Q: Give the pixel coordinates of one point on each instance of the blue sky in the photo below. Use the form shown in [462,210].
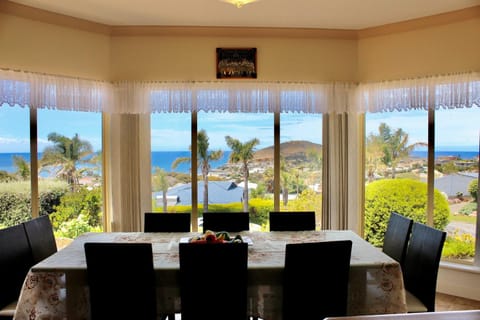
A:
[457,129]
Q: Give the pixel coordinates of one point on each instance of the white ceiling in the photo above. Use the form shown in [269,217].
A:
[330,14]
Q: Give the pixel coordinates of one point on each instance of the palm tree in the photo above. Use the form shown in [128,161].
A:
[66,154]
[242,152]
[203,157]
[395,146]
[160,182]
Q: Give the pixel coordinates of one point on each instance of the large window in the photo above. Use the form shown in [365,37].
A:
[235,150]
[456,176]
[396,167]
[301,162]
[67,150]
[171,162]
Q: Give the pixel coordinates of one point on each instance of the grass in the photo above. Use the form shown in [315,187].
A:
[24,186]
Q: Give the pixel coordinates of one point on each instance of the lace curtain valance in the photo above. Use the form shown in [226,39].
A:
[452,91]
[143,97]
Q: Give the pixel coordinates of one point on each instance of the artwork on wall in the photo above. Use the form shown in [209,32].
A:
[235,63]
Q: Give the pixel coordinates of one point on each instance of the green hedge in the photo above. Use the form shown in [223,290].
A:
[405,196]
[15,201]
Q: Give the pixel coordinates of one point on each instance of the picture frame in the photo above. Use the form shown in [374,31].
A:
[236,63]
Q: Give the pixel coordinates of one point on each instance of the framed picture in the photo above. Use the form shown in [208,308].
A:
[234,63]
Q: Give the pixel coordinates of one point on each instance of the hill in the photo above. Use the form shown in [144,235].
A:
[290,150]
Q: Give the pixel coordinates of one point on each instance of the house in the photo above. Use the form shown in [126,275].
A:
[219,192]
[455,184]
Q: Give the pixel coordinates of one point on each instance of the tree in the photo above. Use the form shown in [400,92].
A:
[242,152]
[394,145]
[66,154]
[160,182]
[23,167]
[204,157]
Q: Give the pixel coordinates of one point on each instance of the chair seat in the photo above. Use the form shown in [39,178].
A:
[414,305]
[9,309]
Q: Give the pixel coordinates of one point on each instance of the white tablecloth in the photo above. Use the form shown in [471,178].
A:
[56,286]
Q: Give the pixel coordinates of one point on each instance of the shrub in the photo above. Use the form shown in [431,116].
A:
[468,209]
[459,246]
[15,200]
[473,189]
[405,196]
[81,202]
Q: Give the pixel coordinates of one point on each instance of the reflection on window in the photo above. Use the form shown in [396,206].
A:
[301,162]
[171,162]
[15,190]
[456,177]
[70,170]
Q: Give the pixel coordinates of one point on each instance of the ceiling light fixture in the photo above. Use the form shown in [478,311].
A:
[239,3]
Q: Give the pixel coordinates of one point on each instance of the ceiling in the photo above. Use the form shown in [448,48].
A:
[328,14]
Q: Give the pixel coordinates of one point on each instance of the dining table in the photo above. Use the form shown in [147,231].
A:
[56,288]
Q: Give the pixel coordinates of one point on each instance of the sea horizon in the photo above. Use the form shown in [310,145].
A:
[164,159]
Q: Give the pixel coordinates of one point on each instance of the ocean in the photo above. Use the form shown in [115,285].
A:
[164,159]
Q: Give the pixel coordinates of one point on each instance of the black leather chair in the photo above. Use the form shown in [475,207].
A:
[421,267]
[15,262]
[397,236]
[121,280]
[213,281]
[316,277]
[166,222]
[292,220]
[40,237]
[226,221]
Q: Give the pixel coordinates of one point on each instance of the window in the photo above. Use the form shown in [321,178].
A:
[456,174]
[171,162]
[15,188]
[70,170]
[301,162]
[456,168]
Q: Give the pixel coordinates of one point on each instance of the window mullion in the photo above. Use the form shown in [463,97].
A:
[34,163]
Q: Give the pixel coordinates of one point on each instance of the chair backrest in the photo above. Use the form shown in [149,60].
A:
[316,277]
[40,237]
[292,221]
[213,281]
[121,280]
[166,222]
[422,261]
[226,221]
[396,237]
[15,262]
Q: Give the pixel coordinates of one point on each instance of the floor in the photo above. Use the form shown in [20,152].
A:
[444,302]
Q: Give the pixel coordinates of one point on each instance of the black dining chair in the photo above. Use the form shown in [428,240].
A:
[396,237]
[213,281]
[40,237]
[166,222]
[15,262]
[315,279]
[421,267]
[226,221]
[291,220]
[121,280]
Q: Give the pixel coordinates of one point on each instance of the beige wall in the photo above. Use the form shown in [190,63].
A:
[41,47]
[193,58]
[428,51]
